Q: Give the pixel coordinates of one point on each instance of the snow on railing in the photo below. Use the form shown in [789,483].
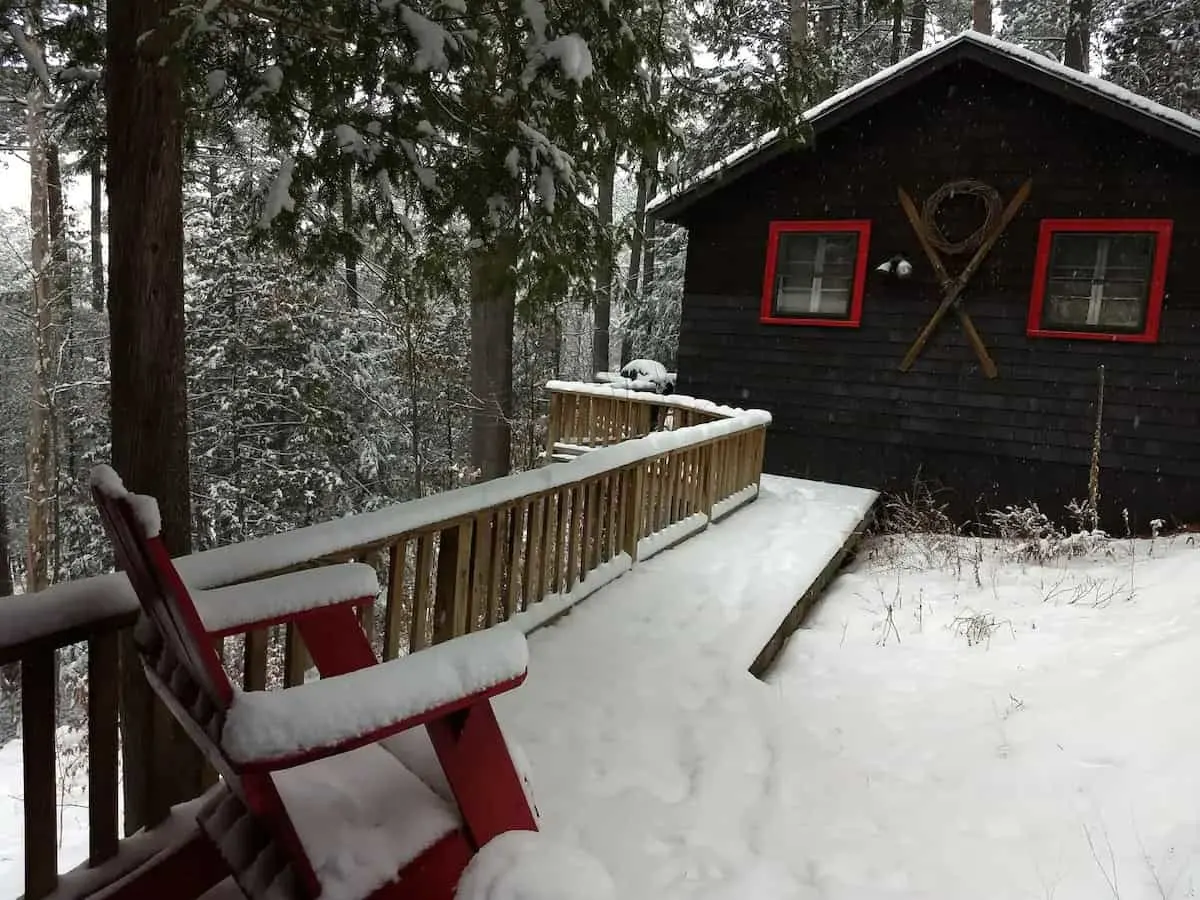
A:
[584,416]
[450,564]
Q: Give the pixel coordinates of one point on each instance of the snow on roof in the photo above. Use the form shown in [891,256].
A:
[1013,52]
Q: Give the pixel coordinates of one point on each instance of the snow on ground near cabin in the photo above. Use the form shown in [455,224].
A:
[916,767]
[941,768]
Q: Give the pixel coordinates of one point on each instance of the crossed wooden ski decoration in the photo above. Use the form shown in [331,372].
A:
[952,287]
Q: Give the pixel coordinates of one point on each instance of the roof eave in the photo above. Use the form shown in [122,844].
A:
[824,118]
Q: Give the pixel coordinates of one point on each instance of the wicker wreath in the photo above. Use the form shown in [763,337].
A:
[969,186]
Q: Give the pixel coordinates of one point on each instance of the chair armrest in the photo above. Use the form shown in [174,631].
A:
[240,607]
[272,730]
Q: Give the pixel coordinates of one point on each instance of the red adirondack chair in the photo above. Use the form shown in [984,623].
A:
[332,788]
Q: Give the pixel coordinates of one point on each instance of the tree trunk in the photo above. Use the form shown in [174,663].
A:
[1076,53]
[351,258]
[897,29]
[59,246]
[493,313]
[6,579]
[797,37]
[981,16]
[602,308]
[63,305]
[97,235]
[146,324]
[39,462]
[650,231]
[916,28]
[643,228]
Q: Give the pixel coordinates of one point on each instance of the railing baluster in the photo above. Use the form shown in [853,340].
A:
[103,685]
[254,661]
[366,612]
[674,474]
[546,553]
[612,541]
[591,527]
[533,553]
[554,541]
[419,629]
[38,683]
[393,614]
[517,535]
[295,656]
[481,576]
[499,562]
[462,577]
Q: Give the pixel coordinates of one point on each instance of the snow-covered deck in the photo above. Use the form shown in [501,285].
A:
[649,739]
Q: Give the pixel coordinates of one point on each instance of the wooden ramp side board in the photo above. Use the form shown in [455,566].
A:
[799,613]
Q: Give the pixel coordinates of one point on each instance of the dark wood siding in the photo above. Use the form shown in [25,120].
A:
[844,411]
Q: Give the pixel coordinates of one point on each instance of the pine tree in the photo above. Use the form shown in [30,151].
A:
[1153,48]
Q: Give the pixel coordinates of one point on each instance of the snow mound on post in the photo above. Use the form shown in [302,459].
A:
[527,865]
[145,509]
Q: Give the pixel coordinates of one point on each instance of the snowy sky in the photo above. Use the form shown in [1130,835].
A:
[14,186]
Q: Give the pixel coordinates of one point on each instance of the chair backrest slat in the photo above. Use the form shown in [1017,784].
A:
[164,597]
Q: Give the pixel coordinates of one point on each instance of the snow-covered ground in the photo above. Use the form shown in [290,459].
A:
[950,723]
[1031,733]
[1056,757]
[72,813]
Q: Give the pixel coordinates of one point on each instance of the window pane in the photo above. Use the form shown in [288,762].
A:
[1098,281]
[814,274]
[835,302]
[1122,315]
[1073,256]
[1065,311]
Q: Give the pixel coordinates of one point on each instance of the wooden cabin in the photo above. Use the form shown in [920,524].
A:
[808,284]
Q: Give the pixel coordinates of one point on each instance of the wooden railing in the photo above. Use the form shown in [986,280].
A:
[519,548]
[586,416]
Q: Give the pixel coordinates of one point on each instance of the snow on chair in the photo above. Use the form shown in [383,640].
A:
[331,787]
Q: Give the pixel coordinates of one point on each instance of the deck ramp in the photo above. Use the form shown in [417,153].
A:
[623,692]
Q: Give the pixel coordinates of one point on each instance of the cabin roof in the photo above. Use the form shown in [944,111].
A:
[1096,94]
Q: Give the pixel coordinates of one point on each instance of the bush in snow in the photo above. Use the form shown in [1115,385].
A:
[1030,536]
[918,530]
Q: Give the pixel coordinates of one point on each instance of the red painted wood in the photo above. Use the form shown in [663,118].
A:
[335,640]
[254,625]
[466,736]
[1161,228]
[433,875]
[181,873]
[162,594]
[274,764]
[481,773]
[780,227]
[264,802]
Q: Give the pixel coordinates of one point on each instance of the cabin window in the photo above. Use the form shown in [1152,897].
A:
[815,273]
[1100,279]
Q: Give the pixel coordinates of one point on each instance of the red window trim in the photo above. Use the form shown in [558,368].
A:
[862,227]
[1161,228]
